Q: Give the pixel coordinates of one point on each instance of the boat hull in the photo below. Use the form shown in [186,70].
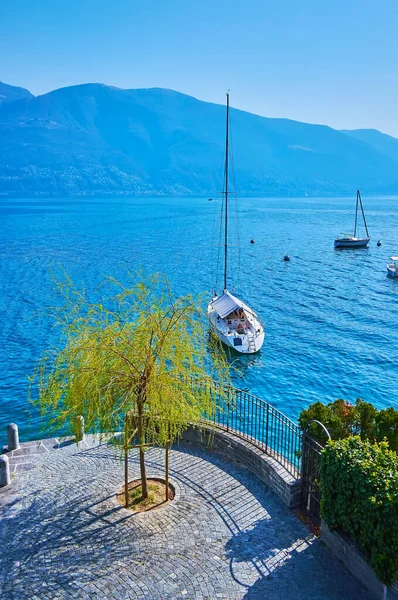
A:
[353,243]
[247,343]
[392,272]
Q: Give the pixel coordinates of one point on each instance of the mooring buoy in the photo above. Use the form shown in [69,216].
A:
[379,243]
[286,258]
[252,241]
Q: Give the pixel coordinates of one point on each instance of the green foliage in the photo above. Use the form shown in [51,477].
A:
[365,414]
[344,419]
[337,417]
[387,427]
[135,355]
[359,486]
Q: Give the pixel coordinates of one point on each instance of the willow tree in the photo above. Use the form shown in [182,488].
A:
[141,361]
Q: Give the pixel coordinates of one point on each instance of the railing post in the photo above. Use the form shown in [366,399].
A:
[5,477]
[266,430]
[303,467]
[79,428]
[12,437]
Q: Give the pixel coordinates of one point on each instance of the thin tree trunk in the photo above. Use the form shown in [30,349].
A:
[141,440]
[144,483]
[167,471]
[126,477]
[126,465]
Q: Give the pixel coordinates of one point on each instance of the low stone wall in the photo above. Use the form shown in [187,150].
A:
[274,475]
[356,564]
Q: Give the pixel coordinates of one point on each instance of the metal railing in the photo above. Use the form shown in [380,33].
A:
[258,422]
[310,501]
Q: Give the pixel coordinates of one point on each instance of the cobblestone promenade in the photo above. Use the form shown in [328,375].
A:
[224,536]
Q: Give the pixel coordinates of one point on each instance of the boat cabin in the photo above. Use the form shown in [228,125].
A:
[231,312]
[236,320]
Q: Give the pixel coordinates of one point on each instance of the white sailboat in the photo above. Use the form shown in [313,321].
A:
[233,321]
[352,241]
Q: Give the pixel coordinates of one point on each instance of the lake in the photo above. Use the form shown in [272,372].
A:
[330,315]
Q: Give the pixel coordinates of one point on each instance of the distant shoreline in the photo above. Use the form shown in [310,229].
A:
[204,196]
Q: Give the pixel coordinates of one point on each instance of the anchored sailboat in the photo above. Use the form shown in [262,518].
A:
[351,241]
[231,319]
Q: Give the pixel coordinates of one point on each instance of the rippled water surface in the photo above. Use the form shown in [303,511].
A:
[331,316]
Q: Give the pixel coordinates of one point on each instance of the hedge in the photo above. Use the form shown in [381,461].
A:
[359,486]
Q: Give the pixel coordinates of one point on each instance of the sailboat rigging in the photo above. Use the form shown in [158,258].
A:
[230,318]
[352,241]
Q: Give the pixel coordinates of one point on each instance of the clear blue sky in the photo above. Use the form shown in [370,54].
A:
[320,61]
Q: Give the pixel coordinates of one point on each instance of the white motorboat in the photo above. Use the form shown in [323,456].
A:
[392,267]
[233,321]
[352,241]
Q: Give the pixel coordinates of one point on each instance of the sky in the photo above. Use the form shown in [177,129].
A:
[320,61]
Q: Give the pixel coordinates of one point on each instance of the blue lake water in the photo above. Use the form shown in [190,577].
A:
[331,316]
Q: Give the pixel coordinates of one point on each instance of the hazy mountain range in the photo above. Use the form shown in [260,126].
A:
[96,139]
[10,93]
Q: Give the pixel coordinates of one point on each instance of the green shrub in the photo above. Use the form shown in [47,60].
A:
[343,419]
[359,487]
[365,420]
[326,414]
[387,427]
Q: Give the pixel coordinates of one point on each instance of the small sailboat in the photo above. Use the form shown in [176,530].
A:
[352,241]
[392,267]
[233,321]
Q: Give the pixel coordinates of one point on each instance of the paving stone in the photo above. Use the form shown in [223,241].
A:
[224,536]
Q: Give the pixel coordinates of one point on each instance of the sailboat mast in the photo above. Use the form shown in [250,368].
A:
[356,215]
[226,195]
[363,214]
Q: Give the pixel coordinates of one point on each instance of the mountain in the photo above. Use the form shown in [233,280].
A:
[96,139]
[10,93]
[381,142]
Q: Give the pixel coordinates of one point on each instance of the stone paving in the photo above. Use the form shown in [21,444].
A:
[63,536]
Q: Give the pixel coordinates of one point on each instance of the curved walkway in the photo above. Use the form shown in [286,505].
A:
[225,536]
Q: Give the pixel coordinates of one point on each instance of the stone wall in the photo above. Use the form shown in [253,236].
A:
[274,475]
[356,564]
